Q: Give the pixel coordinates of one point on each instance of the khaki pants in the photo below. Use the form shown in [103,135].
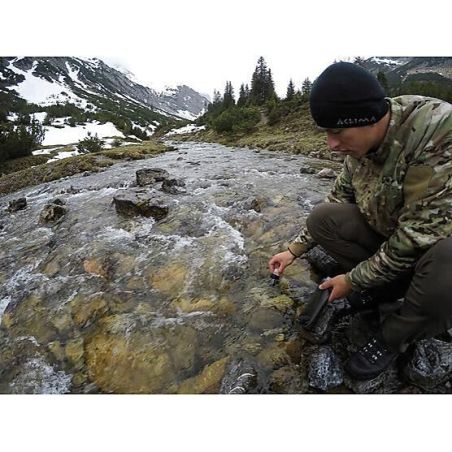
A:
[427,307]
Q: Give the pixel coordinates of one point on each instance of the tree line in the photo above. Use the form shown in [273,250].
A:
[255,99]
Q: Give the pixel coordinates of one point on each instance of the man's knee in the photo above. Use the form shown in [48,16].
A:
[317,217]
[329,217]
[438,259]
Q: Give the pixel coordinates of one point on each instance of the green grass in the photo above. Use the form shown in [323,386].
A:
[93,162]
[295,133]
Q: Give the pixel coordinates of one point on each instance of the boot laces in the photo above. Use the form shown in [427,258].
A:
[374,350]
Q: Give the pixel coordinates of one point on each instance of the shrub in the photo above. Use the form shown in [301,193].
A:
[90,144]
[19,140]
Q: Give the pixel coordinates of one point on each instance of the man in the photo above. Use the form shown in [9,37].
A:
[387,220]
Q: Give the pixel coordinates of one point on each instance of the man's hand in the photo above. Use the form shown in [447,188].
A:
[341,287]
[280,261]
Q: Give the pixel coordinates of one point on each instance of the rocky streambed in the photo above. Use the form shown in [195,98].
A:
[141,281]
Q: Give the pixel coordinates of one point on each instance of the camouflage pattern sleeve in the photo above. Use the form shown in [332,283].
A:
[342,192]
[425,218]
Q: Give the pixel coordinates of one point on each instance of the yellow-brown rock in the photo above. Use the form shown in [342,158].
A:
[221,306]
[207,382]
[169,280]
[125,357]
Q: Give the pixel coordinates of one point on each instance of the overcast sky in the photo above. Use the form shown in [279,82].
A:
[205,43]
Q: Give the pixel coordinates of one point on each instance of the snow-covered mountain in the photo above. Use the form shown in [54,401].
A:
[91,84]
[405,69]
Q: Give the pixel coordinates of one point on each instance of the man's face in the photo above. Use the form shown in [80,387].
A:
[353,141]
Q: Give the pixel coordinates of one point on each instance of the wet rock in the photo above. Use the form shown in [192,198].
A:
[322,262]
[240,378]
[207,382]
[265,319]
[325,370]
[221,306]
[274,356]
[169,280]
[100,267]
[17,204]
[287,380]
[126,354]
[149,176]
[256,204]
[130,204]
[305,169]
[53,211]
[87,310]
[326,173]
[173,186]
[431,364]
[282,303]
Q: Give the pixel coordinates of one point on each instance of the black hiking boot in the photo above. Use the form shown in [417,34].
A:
[371,359]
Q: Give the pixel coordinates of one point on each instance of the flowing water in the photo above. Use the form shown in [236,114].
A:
[102,303]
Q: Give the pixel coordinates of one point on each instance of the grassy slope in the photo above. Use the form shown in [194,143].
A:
[94,162]
[294,133]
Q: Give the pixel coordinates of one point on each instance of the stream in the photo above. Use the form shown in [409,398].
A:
[101,303]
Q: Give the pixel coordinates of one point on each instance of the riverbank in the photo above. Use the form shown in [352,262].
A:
[295,133]
[89,163]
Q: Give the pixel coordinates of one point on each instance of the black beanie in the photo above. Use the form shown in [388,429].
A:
[347,95]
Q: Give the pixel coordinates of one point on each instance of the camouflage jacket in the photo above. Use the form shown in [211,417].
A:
[404,189]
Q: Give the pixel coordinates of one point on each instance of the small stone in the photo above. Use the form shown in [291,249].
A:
[326,173]
[17,204]
[307,170]
[52,212]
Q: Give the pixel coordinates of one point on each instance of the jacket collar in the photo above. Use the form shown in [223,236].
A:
[380,154]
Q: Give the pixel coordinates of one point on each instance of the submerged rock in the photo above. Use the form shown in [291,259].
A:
[149,176]
[240,378]
[207,382]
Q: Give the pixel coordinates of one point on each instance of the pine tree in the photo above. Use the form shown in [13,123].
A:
[290,90]
[228,98]
[383,81]
[241,102]
[262,86]
[306,87]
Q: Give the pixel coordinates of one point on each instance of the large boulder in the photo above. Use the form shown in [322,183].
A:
[130,203]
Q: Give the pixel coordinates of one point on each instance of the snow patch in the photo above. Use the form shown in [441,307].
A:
[189,128]
[70,135]
[42,92]
[186,114]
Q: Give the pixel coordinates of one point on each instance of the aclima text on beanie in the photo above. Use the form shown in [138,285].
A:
[347,95]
